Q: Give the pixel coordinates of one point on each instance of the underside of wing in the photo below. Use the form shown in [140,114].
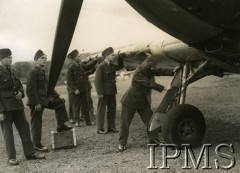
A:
[189,20]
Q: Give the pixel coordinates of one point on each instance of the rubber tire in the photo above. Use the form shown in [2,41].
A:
[176,118]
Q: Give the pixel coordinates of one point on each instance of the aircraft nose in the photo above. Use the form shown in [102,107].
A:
[155,121]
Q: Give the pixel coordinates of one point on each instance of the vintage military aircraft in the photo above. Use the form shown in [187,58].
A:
[207,43]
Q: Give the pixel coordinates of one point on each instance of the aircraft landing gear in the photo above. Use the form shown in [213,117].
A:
[180,123]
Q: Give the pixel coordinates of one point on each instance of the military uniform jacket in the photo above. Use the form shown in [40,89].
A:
[77,78]
[88,73]
[10,85]
[143,81]
[36,90]
[105,77]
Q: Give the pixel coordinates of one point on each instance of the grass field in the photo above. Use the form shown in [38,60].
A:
[217,98]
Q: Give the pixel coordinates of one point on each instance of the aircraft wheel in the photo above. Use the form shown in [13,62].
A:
[184,124]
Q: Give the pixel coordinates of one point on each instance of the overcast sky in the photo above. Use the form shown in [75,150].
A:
[29,25]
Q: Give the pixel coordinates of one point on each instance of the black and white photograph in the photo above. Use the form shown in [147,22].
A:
[115,86]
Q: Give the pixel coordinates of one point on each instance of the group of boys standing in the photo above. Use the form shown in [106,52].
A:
[79,86]
[136,99]
[105,82]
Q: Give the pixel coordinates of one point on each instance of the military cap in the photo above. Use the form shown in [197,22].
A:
[38,55]
[140,56]
[5,53]
[73,54]
[107,51]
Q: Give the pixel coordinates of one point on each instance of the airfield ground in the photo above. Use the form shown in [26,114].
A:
[217,98]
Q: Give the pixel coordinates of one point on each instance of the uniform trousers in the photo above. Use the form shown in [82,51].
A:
[36,119]
[78,101]
[90,104]
[126,119]
[109,102]
[19,119]
[70,108]
[90,101]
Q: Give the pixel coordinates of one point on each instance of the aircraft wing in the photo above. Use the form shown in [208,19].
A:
[206,29]
[190,21]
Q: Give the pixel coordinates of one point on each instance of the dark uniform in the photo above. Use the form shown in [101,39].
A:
[12,111]
[138,99]
[36,90]
[70,107]
[77,80]
[89,86]
[105,83]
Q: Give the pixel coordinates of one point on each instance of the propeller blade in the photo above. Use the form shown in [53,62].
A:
[67,21]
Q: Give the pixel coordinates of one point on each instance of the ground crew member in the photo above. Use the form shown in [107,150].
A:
[36,89]
[105,83]
[138,99]
[12,110]
[77,84]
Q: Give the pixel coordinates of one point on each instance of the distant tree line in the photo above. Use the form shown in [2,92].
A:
[23,68]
